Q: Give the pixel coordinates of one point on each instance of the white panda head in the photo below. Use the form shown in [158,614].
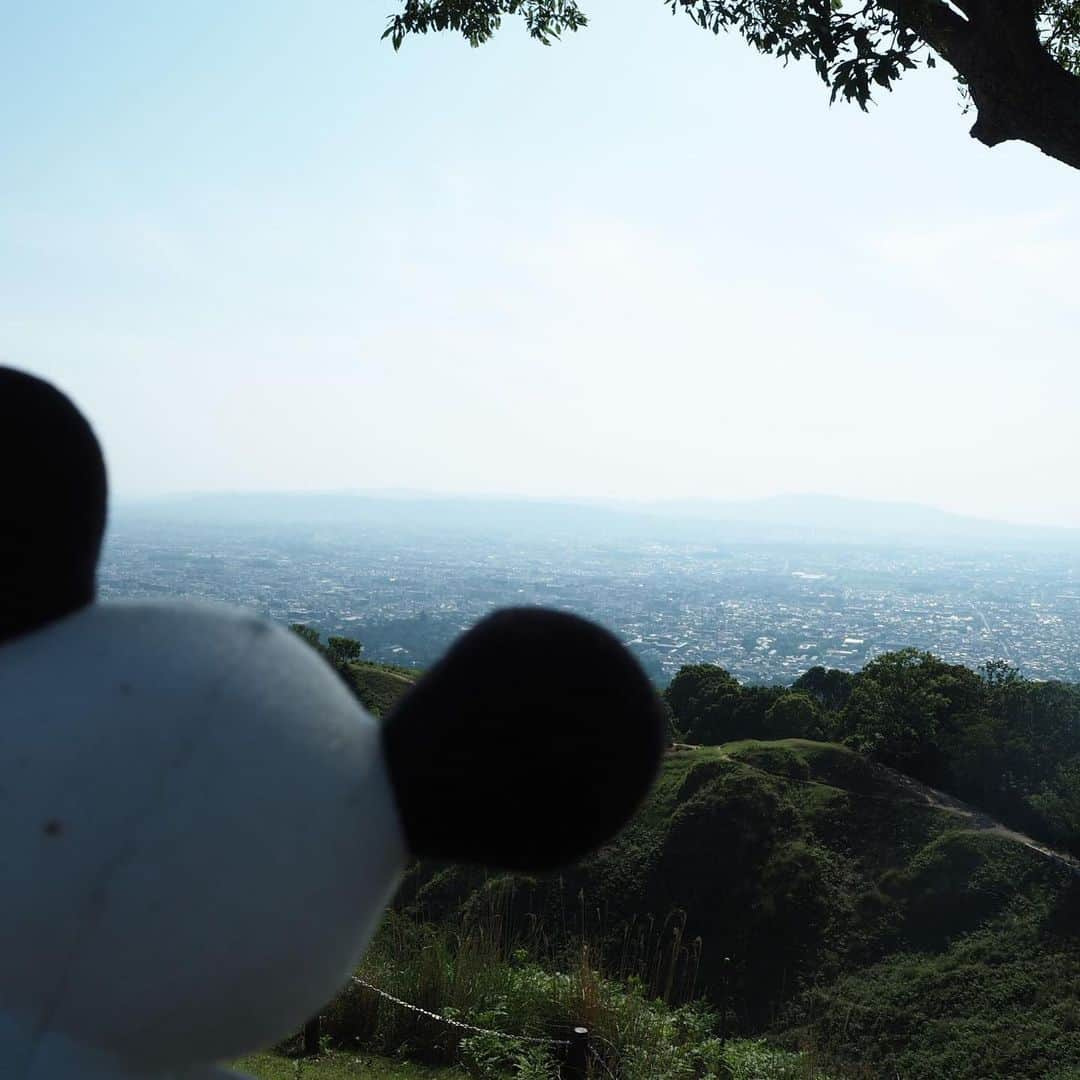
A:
[202,826]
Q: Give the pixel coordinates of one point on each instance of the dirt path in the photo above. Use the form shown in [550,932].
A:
[977,819]
[919,793]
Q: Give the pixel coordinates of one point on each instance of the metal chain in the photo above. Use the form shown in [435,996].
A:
[599,1060]
[459,1024]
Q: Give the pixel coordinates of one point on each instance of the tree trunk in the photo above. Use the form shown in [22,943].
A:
[1019,90]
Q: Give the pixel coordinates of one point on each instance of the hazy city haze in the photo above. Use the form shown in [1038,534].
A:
[263,252]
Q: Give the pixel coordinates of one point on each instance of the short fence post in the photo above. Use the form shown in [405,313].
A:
[312,1032]
[577,1055]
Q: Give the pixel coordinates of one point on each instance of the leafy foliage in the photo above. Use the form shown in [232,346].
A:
[1058,803]
[795,714]
[1002,1001]
[695,687]
[1017,60]
[342,650]
[1059,29]
[830,687]
[852,50]
[477,20]
[853,47]
[901,706]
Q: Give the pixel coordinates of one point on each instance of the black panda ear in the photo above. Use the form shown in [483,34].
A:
[52,507]
[529,744]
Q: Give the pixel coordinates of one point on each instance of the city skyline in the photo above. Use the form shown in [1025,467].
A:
[765,610]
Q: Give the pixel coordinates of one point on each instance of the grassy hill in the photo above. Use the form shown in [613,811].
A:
[378,686]
[811,895]
[834,911]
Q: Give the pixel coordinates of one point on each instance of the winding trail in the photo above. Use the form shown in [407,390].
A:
[920,794]
[978,820]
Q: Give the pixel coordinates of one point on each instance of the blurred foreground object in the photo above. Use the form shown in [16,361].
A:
[201,824]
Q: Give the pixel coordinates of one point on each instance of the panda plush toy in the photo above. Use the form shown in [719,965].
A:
[200,826]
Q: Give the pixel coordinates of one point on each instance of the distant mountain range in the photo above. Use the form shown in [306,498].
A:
[779,519]
[864,518]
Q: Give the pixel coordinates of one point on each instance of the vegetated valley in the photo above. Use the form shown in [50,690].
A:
[794,899]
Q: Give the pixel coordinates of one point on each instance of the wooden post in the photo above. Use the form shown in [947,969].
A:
[577,1055]
[312,1031]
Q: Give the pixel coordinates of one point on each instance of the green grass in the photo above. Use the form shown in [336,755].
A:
[471,970]
[1002,1001]
[378,686]
[815,762]
[338,1065]
[793,759]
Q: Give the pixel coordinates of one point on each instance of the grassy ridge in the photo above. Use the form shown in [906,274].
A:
[378,686]
[835,911]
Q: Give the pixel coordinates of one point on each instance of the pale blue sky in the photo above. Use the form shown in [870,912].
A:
[263,251]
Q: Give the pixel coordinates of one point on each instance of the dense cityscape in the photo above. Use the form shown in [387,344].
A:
[765,611]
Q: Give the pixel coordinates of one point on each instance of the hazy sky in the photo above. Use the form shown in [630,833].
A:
[263,251]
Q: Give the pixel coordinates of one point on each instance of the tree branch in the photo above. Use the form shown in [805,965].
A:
[938,25]
[1020,82]
[1019,90]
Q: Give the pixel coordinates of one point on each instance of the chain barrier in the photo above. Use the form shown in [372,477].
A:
[598,1057]
[459,1024]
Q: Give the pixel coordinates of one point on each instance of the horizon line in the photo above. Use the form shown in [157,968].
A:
[614,501]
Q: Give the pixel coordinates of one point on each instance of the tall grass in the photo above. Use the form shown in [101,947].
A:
[638,1006]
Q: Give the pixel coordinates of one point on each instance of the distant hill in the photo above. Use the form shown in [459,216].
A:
[781,519]
[837,517]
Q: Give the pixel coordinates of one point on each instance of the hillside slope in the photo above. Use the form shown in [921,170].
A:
[838,904]
[835,905]
[378,686]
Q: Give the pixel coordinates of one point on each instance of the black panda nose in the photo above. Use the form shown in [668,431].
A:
[52,505]
[529,744]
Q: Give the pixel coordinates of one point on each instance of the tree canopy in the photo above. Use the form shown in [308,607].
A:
[1018,60]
